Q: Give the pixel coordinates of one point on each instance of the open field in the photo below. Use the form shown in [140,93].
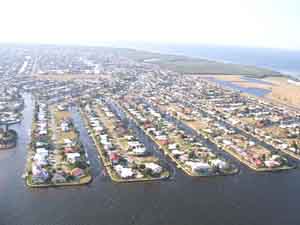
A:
[278,87]
[58,116]
[284,92]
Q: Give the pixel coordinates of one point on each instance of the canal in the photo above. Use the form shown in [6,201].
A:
[143,138]
[243,199]
[259,92]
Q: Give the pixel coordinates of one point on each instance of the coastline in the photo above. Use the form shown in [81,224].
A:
[80,180]
[108,165]
[237,156]
[168,153]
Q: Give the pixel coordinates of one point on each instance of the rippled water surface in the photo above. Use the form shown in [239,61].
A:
[244,199]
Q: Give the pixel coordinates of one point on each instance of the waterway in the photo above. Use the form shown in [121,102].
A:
[259,92]
[256,81]
[243,199]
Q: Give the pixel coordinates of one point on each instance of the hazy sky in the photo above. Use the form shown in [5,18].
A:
[266,23]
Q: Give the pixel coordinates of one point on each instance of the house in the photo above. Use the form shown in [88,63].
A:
[77,172]
[164,142]
[155,168]
[69,150]
[133,144]
[199,167]
[108,146]
[39,175]
[124,172]
[103,137]
[172,146]
[42,132]
[65,126]
[58,178]
[73,157]
[41,156]
[61,108]
[114,157]
[227,142]
[271,163]
[68,142]
[177,152]
[98,129]
[129,137]
[39,144]
[147,125]
[218,163]
[139,151]
[42,151]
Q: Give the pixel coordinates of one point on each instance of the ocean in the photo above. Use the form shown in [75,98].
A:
[284,61]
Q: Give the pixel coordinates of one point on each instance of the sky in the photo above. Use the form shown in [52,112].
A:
[257,23]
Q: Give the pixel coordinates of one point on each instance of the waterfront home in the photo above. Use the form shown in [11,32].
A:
[77,172]
[199,167]
[39,174]
[218,163]
[124,172]
[58,178]
[155,168]
[271,163]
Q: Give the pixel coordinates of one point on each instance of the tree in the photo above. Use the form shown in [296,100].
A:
[294,145]
[81,164]
[142,166]
[148,172]
[192,154]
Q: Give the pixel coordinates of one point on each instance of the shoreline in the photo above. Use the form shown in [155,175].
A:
[275,89]
[168,154]
[232,153]
[88,181]
[81,180]
[271,101]
[236,156]
[108,165]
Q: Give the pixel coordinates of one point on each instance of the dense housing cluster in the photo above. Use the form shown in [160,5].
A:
[56,155]
[144,119]
[124,155]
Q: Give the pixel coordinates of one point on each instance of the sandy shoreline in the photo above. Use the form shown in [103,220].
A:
[281,91]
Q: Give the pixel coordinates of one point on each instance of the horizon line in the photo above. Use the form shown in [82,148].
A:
[118,44]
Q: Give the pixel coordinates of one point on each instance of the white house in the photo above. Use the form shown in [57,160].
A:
[156,169]
[72,157]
